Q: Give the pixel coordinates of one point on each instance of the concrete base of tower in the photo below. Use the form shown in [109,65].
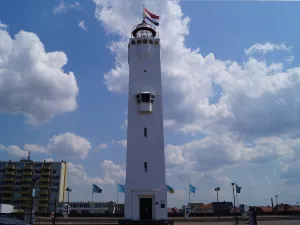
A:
[146,222]
[146,205]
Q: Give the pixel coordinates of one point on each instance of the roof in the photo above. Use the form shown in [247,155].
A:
[266,208]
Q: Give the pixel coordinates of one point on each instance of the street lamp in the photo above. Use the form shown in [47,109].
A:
[235,218]
[68,190]
[276,196]
[217,189]
[55,203]
[32,195]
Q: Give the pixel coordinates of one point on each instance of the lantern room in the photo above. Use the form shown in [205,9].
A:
[145,101]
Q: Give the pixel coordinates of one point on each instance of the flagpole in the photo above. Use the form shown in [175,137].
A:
[189,194]
[237,200]
[143,12]
[117,195]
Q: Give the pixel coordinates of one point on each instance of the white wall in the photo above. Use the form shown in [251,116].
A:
[139,148]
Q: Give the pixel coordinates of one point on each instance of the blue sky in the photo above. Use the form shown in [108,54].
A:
[247,132]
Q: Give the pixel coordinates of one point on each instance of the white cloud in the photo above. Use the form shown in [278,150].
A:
[289,59]
[32,81]
[65,7]
[3,25]
[123,143]
[49,160]
[267,47]
[82,25]
[102,146]
[67,144]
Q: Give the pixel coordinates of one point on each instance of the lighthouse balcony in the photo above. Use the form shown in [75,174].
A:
[145,101]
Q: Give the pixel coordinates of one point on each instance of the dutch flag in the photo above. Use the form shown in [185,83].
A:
[151,17]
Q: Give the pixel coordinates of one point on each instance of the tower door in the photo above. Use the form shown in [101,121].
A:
[145,208]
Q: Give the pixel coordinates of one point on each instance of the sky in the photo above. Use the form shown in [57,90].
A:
[231,93]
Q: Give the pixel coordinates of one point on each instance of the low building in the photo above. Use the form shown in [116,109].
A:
[208,208]
[88,207]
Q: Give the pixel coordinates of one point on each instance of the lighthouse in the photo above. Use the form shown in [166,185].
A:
[145,186]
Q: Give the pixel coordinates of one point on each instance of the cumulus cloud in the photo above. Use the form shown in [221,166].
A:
[102,146]
[82,25]
[289,59]
[67,144]
[3,25]
[123,143]
[247,112]
[65,7]
[32,81]
[267,47]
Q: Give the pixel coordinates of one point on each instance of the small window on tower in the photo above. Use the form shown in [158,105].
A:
[145,132]
[139,42]
[156,42]
[152,98]
[145,41]
[138,98]
[151,42]
[133,42]
[145,97]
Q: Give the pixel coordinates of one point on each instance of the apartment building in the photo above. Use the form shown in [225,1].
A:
[19,178]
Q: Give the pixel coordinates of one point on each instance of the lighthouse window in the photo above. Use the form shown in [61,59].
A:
[152,98]
[145,131]
[145,41]
[151,42]
[145,97]
[138,98]
[139,42]
[133,42]
[156,42]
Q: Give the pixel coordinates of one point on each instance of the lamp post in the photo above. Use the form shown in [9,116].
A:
[55,203]
[235,218]
[276,196]
[68,190]
[217,189]
[32,196]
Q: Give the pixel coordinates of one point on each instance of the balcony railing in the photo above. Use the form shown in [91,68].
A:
[27,173]
[44,185]
[43,205]
[7,184]
[45,173]
[27,179]
[10,173]
[8,191]
[43,199]
[10,167]
[45,179]
[25,198]
[45,192]
[46,167]
[8,179]
[25,192]
[7,198]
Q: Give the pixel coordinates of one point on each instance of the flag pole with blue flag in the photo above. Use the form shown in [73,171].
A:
[192,189]
[121,189]
[96,189]
[170,189]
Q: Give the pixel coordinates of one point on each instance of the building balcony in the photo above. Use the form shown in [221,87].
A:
[25,198]
[27,179]
[44,198]
[9,185]
[45,192]
[10,167]
[8,179]
[44,185]
[42,205]
[26,185]
[9,173]
[28,167]
[46,167]
[45,179]
[45,173]
[7,191]
[7,198]
[27,173]
[26,192]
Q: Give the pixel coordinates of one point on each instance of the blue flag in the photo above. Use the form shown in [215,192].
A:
[96,189]
[170,189]
[238,189]
[193,189]
[121,188]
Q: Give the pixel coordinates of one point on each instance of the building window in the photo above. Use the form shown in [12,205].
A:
[151,42]
[145,97]
[145,132]
[54,171]
[139,42]
[145,41]
[156,42]
[133,42]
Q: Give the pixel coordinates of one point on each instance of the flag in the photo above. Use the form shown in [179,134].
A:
[193,189]
[96,189]
[121,188]
[151,17]
[238,189]
[170,189]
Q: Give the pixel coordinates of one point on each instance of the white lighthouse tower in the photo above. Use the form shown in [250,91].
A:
[145,187]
